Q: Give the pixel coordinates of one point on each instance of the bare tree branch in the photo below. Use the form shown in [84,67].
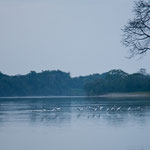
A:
[136,34]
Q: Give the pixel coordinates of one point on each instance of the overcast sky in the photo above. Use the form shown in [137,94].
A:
[78,36]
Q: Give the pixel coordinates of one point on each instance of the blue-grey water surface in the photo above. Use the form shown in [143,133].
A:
[74,123]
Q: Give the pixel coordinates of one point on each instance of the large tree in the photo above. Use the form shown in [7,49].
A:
[136,34]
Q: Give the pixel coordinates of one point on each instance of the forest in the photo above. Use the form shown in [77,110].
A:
[59,83]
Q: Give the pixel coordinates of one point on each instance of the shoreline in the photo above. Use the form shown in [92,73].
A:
[115,95]
[109,95]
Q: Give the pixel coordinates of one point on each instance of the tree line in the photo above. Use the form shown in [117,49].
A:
[116,81]
[58,83]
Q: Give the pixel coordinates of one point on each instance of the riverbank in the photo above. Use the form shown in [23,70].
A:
[109,95]
[133,94]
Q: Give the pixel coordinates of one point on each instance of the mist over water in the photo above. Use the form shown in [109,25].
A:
[75,123]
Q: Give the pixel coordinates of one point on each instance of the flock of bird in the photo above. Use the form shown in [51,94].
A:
[93,111]
[110,108]
[48,110]
[107,109]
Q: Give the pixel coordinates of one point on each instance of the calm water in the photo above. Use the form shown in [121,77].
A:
[75,124]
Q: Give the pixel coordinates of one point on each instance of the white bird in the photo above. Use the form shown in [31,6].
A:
[53,109]
[118,108]
[101,108]
[107,109]
[95,109]
[58,108]
[112,109]
[129,109]
[44,109]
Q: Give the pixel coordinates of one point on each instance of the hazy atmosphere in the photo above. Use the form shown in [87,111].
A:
[81,37]
[66,80]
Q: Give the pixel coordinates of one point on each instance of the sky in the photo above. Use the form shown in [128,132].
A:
[77,36]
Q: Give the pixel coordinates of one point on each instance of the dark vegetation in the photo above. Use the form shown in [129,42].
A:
[116,81]
[60,83]
[44,83]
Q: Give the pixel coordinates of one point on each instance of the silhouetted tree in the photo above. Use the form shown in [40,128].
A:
[116,81]
[136,34]
[143,71]
[61,83]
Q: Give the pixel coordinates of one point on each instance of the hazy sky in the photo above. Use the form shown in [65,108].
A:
[77,36]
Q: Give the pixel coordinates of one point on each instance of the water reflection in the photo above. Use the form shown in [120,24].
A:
[56,111]
[75,123]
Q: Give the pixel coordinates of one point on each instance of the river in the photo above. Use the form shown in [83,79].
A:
[75,123]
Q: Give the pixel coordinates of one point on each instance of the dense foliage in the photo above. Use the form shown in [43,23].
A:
[60,83]
[119,81]
[44,83]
